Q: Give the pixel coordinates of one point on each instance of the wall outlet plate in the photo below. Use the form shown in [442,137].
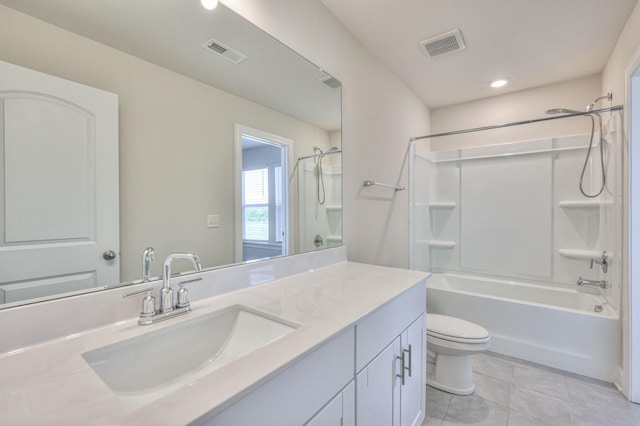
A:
[213,221]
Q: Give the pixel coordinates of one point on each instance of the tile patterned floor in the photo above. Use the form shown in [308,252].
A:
[511,392]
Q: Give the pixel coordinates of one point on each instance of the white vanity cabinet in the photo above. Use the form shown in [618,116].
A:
[324,389]
[391,363]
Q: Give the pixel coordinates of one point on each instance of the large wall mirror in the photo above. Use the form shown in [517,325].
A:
[221,142]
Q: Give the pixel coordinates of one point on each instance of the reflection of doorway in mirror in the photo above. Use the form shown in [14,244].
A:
[262,194]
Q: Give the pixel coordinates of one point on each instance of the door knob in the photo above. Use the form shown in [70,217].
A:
[109,255]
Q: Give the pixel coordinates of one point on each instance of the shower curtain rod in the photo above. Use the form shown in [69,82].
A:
[516,123]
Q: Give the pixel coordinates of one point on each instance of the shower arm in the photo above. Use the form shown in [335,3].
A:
[517,123]
[608,96]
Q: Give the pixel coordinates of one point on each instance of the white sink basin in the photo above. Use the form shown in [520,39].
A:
[160,361]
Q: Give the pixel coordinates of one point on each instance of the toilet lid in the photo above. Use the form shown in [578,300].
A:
[455,329]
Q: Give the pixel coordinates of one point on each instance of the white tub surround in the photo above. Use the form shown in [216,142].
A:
[551,326]
[515,211]
[50,383]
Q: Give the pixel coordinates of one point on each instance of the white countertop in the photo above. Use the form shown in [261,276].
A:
[50,383]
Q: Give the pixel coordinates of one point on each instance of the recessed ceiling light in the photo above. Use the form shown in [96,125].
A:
[499,83]
[209,4]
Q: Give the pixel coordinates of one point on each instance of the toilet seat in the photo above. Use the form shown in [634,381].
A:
[456,330]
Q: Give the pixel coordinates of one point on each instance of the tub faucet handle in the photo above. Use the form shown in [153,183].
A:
[603,261]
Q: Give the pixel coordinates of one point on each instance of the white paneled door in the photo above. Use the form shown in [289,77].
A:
[59,226]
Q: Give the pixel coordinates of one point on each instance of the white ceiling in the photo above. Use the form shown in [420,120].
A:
[170,33]
[532,42]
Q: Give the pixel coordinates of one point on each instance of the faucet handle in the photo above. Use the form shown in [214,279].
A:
[148,303]
[183,294]
[602,260]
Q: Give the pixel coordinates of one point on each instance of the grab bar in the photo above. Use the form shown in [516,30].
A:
[372,183]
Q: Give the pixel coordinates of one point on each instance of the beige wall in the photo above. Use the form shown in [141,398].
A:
[613,76]
[379,115]
[614,79]
[176,140]
[512,107]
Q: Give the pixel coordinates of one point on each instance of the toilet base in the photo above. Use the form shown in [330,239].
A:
[434,384]
[453,374]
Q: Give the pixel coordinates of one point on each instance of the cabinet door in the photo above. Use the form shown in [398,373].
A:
[330,415]
[413,393]
[349,405]
[375,389]
[339,412]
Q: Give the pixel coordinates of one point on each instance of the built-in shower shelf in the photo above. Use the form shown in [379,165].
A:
[580,254]
[582,204]
[442,244]
[442,205]
[333,208]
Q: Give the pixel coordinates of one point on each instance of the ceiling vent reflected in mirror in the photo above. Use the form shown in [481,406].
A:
[225,51]
[330,81]
[442,44]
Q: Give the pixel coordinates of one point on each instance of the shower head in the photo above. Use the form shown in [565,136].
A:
[562,111]
[332,149]
[608,97]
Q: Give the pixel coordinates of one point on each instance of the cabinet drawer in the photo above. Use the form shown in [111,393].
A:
[375,331]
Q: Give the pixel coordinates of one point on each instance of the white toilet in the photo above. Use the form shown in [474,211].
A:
[453,341]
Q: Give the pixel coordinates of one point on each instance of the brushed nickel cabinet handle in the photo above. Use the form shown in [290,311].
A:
[410,363]
[402,367]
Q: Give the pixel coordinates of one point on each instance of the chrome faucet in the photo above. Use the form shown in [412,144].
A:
[148,256]
[603,261]
[168,309]
[166,293]
[595,283]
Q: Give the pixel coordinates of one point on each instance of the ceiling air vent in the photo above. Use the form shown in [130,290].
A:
[444,43]
[225,51]
[332,82]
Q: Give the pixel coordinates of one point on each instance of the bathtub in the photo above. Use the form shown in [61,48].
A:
[551,326]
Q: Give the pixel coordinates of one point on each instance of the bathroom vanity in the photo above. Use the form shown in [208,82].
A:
[347,346]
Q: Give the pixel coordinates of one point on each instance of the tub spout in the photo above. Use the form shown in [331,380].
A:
[602,284]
